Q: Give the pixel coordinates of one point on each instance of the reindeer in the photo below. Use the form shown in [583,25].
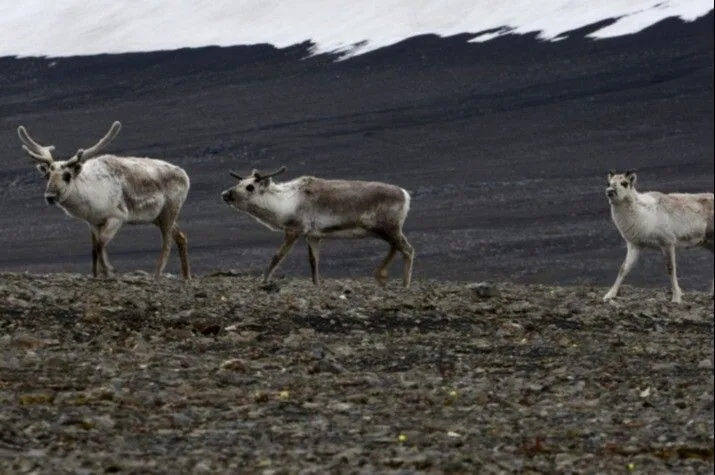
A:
[107,191]
[657,221]
[316,208]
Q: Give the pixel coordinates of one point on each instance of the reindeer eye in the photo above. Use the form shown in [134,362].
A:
[250,188]
[624,184]
[67,176]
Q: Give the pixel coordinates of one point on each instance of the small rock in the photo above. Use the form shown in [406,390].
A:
[299,304]
[183,315]
[294,340]
[705,364]
[207,328]
[203,466]
[234,364]
[563,312]
[16,302]
[104,422]
[30,342]
[483,289]
[564,461]
[138,276]
[578,387]
[342,350]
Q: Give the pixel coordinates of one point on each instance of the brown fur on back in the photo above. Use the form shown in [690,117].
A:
[351,198]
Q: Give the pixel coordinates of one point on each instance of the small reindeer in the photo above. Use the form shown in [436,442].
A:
[108,191]
[316,208]
[657,221]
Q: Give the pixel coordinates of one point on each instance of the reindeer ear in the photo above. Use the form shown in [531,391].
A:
[632,177]
[611,172]
[43,169]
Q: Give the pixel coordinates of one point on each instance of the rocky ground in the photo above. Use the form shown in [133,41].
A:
[222,375]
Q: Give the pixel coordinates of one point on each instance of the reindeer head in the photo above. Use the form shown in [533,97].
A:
[61,174]
[620,185]
[250,191]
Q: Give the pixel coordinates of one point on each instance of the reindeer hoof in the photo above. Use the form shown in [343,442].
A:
[611,294]
[381,279]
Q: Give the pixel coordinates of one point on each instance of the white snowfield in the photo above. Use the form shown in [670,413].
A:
[58,28]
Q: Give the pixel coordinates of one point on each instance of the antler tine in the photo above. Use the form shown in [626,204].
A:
[235,175]
[96,148]
[43,157]
[270,175]
[34,149]
[26,139]
[77,158]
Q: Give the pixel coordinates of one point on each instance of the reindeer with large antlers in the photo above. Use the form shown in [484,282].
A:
[316,208]
[107,191]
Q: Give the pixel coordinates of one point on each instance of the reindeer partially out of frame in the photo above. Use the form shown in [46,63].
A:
[654,220]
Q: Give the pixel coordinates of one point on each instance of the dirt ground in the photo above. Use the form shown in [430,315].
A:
[222,375]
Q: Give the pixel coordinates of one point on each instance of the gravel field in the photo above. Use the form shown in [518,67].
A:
[223,375]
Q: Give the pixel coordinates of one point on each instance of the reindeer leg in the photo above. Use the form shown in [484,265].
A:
[166,223]
[631,258]
[106,232]
[164,254]
[382,270]
[408,257]
[182,245]
[669,253]
[95,253]
[288,242]
[314,257]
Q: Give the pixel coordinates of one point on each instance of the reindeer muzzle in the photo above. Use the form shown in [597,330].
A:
[226,196]
[610,192]
[51,199]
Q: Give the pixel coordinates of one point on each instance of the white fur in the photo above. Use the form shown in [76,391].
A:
[317,209]
[655,220]
[95,195]
[107,191]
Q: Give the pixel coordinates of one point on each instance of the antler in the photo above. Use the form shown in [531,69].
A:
[83,155]
[257,175]
[260,177]
[34,149]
